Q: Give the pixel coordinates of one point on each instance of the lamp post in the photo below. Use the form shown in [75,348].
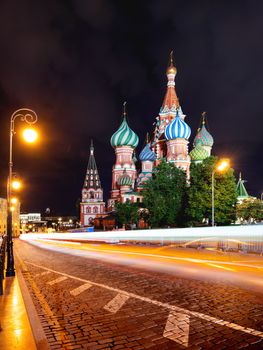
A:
[220,167]
[30,117]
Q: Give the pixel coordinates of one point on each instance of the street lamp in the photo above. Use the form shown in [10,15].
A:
[220,167]
[30,117]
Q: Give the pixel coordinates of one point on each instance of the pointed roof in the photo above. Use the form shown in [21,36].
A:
[92,179]
[241,190]
[170,101]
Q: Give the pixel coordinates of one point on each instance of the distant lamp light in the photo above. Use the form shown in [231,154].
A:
[12,208]
[221,166]
[14,200]
[16,185]
[30,135]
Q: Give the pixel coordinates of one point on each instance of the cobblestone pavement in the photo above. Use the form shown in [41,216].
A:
[87,304]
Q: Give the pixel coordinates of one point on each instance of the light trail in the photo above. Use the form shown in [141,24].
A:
[181,262]
[153,255]
[245,234]
[221,267]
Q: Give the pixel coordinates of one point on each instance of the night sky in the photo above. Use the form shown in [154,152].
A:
[76,62]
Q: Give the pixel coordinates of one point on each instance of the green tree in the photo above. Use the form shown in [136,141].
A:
[199,198]
[127,213]
[250,209]
[163,195]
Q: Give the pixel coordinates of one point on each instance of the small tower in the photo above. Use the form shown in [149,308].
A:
[203,137]
[241,190]
[124,141]
[92,204]
[147,158]
[124,182]
[177,134]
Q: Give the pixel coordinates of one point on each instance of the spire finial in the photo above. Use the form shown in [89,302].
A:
[124,109]
[240,177]
[171,67]
[203,117]
[171,58]
[91,147]
[147,137]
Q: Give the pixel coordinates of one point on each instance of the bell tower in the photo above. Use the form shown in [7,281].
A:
[92,204]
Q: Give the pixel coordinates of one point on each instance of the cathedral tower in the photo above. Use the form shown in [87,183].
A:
[92,204]
[203,137]
[177,133]
[170,108]
[147,157]
[124,141]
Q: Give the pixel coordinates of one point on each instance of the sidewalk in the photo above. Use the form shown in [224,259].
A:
[16,332]
[20,327]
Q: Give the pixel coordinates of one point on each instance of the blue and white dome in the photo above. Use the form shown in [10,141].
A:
[147,154]
[177,129]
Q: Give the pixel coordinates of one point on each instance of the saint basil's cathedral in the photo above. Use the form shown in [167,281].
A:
[168,140]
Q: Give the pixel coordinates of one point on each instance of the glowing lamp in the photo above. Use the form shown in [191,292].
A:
[223,165]
[14,200]
[16,185]
[30,135]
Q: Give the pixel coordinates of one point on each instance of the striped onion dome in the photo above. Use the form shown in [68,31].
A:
[177,129]
[199,153]
[203,138]
[124,180]
[124,136]
[147,154]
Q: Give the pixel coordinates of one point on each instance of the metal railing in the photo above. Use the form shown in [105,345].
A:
[2,261]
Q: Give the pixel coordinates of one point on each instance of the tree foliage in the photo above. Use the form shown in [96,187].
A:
[199,196]
[127,213]
[164,194]
[250,210]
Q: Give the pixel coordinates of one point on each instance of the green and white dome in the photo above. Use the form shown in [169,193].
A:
[199,153]
[124,180]
[124,136]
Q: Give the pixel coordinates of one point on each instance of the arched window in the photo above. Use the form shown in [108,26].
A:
[95,210]
[88,210]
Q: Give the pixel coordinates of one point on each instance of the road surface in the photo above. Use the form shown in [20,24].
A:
[111,296]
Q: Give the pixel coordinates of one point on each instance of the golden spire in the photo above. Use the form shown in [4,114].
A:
[171,67]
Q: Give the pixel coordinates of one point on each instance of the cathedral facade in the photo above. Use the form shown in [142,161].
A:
[168,141]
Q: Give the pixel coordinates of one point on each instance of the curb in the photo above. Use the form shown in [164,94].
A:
[37,329]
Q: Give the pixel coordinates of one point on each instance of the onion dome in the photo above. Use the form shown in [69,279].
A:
[124,136]
[124,180]
[203,137]
[147,154]
[199,153]
[177,129]
[171,69]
